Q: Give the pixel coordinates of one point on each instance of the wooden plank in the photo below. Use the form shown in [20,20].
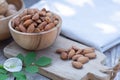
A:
[63,70]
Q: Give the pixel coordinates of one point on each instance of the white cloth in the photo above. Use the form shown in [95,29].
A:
[94,23]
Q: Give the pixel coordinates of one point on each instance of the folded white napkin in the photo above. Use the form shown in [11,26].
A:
[95,23]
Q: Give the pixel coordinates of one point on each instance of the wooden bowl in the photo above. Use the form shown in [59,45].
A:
[4,30]
[35,41]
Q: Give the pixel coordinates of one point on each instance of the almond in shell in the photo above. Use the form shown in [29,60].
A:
[83,59]
[90,55]
[77,65]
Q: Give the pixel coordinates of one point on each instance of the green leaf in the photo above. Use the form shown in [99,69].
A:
[3,71]
[43,61]
[29,58]
[19,75]
[32,69]
[3,76]
[20,56]
[1,66]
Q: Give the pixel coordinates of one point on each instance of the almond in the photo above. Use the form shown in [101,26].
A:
[36,10]
[48,19]
[77,65]
[79,51]
[35,17]
[49,14]
[42,13]
[90,55]
[49,26]
[17,28]
[31,28]
[30,11]
[88,50]
[16,21]
[39,21]
[60,50]
[42,25]
[71,53]
[75,48]
[64,56]
[37,30]
[75,57]
[83,59]
[27,22]
[35,24]
[56,22]
[26,17]
[22,28]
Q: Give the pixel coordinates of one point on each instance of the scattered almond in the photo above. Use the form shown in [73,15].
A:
[75,57]
[71,53]
[77,65]
[64,56]
[59,51]
[88,50]
[90,55]
[83,59]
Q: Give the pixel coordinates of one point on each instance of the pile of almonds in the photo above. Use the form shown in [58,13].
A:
[77,55]
[6,9]
[35,21]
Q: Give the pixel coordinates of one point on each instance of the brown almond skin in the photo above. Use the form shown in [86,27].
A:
[71,53]
[31,28]
[37,30]
[42,25]
[83,59]
[79,51]
[22,28]
[48,19]
[27,22]
[16,21]
[35,17]
[77,65]
[90,55]
[49,26]
[59,51]
[75,57]
[64,56]
[26,17]
[39,21]
[56,22]
[88,50]
[30,11]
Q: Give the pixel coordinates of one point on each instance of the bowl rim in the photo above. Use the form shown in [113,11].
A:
[22,7]
[58,25]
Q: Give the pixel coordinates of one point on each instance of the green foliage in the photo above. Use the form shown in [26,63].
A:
[19,76]
[3,71]
[43,61]
[32,69]
[29,58]
[20,56]
[31,65]
[3,77]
